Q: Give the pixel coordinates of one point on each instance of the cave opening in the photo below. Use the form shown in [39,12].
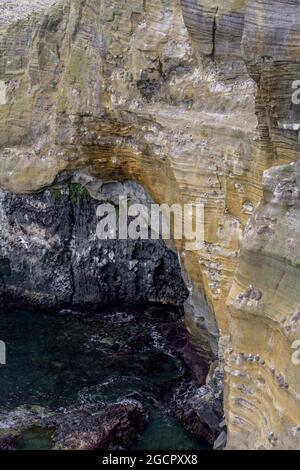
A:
[94,331]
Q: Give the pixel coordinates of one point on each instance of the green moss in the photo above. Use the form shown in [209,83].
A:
[56,193]
[287,169]
[77,192]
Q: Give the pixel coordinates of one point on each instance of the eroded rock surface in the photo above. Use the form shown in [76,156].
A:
[13,10]
[261,373]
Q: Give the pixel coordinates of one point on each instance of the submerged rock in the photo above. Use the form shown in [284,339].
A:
[114,427]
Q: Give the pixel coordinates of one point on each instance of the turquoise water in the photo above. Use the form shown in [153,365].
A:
[62,360]
[35,439]
[165,433]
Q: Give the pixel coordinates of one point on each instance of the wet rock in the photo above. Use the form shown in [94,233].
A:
[115,427]
[112,427]
[179,339]
[7,442]
[200,409]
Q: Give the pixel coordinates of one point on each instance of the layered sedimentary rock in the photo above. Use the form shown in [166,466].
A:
[262,368]
[191,99]
[262,398]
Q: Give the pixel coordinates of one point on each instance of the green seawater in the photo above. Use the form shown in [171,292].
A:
[57,361]
[35,439]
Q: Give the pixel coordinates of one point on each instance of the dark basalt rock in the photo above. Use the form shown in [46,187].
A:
[50,256]
[114,427]
[177,336]
[7,442]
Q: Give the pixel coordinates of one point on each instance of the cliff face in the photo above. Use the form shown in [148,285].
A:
[263,380]
[191,99]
